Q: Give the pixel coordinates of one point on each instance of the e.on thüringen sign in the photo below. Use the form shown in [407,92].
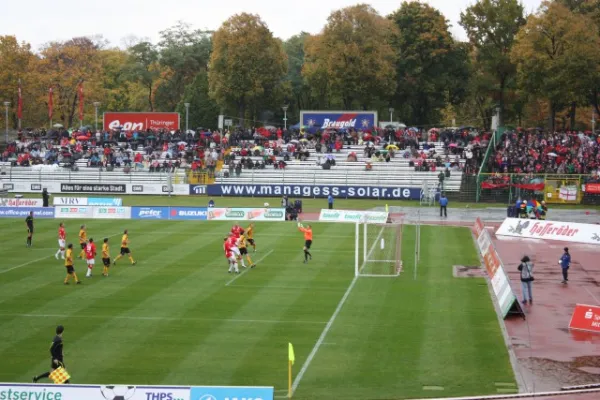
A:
[141,121]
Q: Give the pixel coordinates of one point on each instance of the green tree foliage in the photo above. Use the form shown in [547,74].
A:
[491,27]
[204,112]
[557,55]
[300,92]
[432,68]
[247,65]
[144,69]
[353,57]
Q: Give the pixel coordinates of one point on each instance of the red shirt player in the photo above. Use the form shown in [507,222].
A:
[90,253]
[62,237]
[237,231]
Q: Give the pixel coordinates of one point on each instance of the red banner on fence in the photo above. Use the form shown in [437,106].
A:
[586,318]
[133,121]
[593,188]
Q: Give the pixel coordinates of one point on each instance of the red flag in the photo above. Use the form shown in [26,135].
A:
[80,92]
[20,103]
[50,102]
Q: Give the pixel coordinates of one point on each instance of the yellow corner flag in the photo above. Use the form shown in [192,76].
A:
[387,209]
[291,360]
[291,355]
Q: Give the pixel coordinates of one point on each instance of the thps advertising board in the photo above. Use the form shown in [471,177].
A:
[495,270]
[92,392]
[586,318]
[550,230]
[141,121]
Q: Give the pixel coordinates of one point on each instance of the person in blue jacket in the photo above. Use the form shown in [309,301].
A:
[565,263]
[443,205]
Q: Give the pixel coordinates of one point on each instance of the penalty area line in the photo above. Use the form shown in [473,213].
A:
[248,268]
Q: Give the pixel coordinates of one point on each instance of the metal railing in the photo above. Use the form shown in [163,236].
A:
[339,177]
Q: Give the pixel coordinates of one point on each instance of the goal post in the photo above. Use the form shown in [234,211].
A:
[378,249]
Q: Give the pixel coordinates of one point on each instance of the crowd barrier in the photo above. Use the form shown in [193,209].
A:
[11,391]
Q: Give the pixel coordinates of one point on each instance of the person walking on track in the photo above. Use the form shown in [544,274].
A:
[526,270]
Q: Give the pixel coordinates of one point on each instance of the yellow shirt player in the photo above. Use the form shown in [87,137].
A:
[250,236]
[243,246]
[82,240]
[125,249]
[69,265]
[105,257]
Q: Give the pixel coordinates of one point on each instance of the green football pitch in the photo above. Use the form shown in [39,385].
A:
[178,317]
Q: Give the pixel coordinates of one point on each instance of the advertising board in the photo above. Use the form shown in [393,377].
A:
[585,318]
[73,212]
[141,121]
[22,212]
[495,270]
[550,230]
[150,212]
[29,187]
[188,213]
[374,217]
[93,188]
[197,189]
[4,202]
[255,214]
[231,393]
[344,192]
[10,391]
[339,119]
[108,212]
[158,189]
[87,201]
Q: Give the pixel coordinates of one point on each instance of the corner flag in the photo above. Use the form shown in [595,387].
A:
[387,209]
[291,355]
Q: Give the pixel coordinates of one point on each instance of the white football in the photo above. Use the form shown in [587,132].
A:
[266,204]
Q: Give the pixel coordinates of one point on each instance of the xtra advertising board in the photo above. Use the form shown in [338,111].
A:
[255,214]
[494,268]
[550,230]
[339,119]
[373,217]
[22,212]
[346,192]
[141,121]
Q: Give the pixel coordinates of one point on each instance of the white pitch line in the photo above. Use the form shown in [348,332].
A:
[138,318]
[39,259]
[591,294]
[330,323]
[246,270]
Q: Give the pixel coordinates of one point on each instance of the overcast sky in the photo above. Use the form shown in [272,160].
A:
[40,21]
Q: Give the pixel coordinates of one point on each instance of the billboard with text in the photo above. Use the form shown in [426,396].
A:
[339,119]
[141,121]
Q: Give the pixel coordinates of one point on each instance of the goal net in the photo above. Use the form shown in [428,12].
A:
[378,250]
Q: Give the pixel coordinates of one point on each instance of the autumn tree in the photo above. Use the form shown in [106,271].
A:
[491,27]
[204,112]
[15,61]
[432,68]
[355,53]
[301,97]
[557,55]
[247,64]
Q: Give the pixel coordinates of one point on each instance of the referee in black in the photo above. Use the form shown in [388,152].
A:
[29,223]
[56,354]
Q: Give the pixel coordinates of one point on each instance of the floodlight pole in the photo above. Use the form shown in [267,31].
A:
[187,113]
[96,105]
[285,108]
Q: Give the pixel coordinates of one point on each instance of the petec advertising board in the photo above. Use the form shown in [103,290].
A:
[254,214]
[503,292]
[141,121]
[373,217]
[339,119]
[550,230]
[9,391]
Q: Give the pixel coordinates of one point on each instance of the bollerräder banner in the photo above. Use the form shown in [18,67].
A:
[344,192]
